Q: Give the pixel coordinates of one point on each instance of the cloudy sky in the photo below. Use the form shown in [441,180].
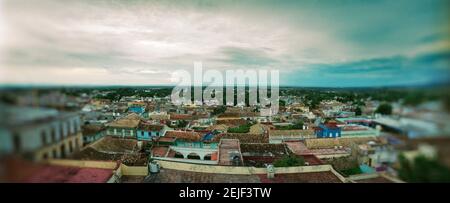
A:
[335,43]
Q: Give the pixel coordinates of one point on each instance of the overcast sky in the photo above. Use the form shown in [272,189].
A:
[312,43]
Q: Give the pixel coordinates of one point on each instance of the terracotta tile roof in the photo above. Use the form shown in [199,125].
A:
[91,129]
[184,135]
[18,170]
[311,177]
[64,174]
[167,139]
[159,151]
[231,121]
[150,127]
[243,137]
[113,144]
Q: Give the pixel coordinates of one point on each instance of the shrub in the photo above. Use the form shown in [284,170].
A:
[289,160]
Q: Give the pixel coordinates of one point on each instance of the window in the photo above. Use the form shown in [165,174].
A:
[62,130]
[77,144]
[54,154]
[75,124]
[69,127]
[70,146]
[53,135]
[17,142]
[43,138]
[45,156]
[63,151]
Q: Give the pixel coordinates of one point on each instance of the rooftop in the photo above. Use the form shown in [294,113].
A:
[243,137]
[113,144]
[130,121]
[150,127]
[291,133]
[178,176]
[91,129]
[184,135]
[311,177]
[17,170]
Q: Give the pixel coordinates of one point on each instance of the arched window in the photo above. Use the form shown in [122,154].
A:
[207,157]
[193,156]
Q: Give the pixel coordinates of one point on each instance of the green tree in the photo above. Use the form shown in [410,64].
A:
[423,170]
[385,109]
[358,111]
[289,160]
[241,129]
[182,123]
[298,125]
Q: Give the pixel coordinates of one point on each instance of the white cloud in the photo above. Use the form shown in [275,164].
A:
[129,42]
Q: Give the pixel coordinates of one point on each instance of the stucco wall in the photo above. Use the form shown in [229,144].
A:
[82,163]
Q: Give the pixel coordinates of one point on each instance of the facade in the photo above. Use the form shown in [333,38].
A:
[125,127]
[280,136]
[39,133]
[148,131]
[92,133]
[329,130]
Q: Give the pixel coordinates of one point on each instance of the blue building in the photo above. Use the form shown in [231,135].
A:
[209,136]
[328,130]
[136,109]
[148,131]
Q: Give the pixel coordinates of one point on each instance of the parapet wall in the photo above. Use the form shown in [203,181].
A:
[120,170]
[84,163]
[320,143]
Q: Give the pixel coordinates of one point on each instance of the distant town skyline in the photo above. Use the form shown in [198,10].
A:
[346,43]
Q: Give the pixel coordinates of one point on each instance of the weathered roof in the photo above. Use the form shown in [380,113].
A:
[184,135]
[291,133]
[130,121]
[221,127]
[179,176]
[159,151]
[259,128]
[92,129]
[18,170]
[243,137]
[167,139]
[263,148]
[150,127]
[231,121]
